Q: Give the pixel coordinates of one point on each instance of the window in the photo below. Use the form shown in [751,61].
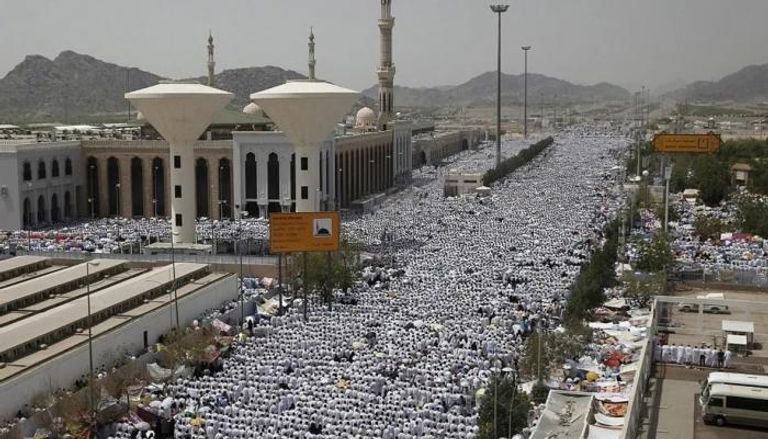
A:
[55,168]
[715,402]
[177,162]
[304,163]
[177,191]
[68,167]
[27,171]
[305,193]
[757,405]
[40,170]
[178,220]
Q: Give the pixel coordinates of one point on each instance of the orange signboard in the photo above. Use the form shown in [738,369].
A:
[304,232]
[687,143]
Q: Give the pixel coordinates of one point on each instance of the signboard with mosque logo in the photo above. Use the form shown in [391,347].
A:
[304,232]
[687,143]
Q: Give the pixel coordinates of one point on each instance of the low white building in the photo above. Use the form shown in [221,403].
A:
[41,183]
[456,184]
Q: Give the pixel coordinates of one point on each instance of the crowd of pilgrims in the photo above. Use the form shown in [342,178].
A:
[129,235]
[735,251]
[472,277]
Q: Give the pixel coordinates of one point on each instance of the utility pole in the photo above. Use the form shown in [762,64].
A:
[525,95]
[498,10]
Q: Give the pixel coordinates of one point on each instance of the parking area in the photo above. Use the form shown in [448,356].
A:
[698,327]
[672,409]
[704,431]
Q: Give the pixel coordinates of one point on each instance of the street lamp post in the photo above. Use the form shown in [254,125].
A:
[173,269]
[498,9]
[667,177]
[117,192]
[243,214]
[90,332]
[525,95]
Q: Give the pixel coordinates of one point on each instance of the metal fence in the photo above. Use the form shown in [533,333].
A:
[199,259]
[757,277]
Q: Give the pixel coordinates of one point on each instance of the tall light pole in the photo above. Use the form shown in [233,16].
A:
[498,10]
[525,96]
[173,270]
[90,332]
[117,192]
[243,214]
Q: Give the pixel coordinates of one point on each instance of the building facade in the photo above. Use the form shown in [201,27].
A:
[132,178]
[41,184]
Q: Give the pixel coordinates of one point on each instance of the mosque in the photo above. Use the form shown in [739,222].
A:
[235,170]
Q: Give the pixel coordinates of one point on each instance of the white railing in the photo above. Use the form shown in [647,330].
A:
[636,398]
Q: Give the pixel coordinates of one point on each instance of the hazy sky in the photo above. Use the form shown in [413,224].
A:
[437,42]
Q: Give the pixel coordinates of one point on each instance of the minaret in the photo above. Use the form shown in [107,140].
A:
[386,69]
[312,61]
[211,62]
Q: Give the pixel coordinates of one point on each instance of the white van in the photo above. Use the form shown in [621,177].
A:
[737,405]
[733,379]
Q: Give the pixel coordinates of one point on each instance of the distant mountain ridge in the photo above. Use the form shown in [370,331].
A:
[481,90]
[73,85]
[747,84]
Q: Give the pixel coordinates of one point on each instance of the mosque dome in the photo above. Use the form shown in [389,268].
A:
[252,108]
[365,118]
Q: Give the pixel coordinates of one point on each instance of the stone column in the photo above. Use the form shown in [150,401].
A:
[285,175]
[147,173]
[237,172]
[168,164]
[262,175]
[126,202]
[213,183]
[101,164]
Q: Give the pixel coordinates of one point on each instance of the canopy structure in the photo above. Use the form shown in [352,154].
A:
[735,328]
[307,112]
[180,112]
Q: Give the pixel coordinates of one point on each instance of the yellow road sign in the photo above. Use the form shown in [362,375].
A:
[304,232]
[687,143]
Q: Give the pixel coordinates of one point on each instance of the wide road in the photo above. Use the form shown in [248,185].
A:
[410,356]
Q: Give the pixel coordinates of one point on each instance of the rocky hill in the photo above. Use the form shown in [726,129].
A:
[748,84]
[481,91]
[69,85]
[72,85]
[244,81]
[75,85]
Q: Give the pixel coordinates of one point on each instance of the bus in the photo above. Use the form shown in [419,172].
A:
[733,379]
[736,405]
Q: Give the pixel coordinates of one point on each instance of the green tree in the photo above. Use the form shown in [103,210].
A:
[758,178]
[642,289]
[707,227]
[712,178]
[505,404]
[555,349]
[594,277]
[752,215]
[539,392]
[328,271]
[656,255]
